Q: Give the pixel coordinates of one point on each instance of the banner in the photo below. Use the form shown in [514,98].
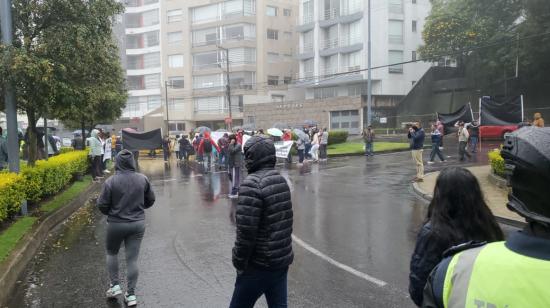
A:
[449,120]
[499,112]
[217,136]
[282,148]
[134,141]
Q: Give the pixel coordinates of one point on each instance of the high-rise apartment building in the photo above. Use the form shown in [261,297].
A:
[333,59]
[177,52]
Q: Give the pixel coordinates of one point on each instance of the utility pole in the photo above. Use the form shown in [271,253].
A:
[9,97]
[369,78]
[166,83]
[227,86]
[46,140]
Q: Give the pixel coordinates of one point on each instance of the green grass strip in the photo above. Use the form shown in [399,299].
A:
[67,195]
[11,236]
[358,147]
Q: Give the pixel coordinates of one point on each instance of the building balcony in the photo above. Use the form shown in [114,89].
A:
[142,29]
[144,7]
[143,71]
[342,44]
[142,50]
[225,40]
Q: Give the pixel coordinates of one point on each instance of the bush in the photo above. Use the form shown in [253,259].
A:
[339,136]
[12,194]
[497,162]
[64,150]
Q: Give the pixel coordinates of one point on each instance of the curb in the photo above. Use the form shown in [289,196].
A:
[375,153]
[497,181]
[428,198]
[16,263]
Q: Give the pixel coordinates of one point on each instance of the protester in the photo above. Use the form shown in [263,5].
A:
[473,130]
[512,273]
[166,148]
[287,136]
[185,147]
[441,129]
[436,142]
[3,151]
[205,149]
[307,144]
[314,151]
[176,147]
[118,145]
[263,247]
[77,143]
[538,121]
[457,214]
[300,147]
[368,138]
[416,136]
[323,143]
[463,136]
[234,162]
[95,155]
[107,150]
[240,134]
[223,144]
[123,199]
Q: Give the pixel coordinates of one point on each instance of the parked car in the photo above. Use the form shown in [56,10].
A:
[496,132]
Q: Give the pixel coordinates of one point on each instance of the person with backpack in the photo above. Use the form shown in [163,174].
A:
[185,147]
[223,143]
[196,143]
[205,149]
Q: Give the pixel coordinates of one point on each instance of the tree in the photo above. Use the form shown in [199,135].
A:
[64,62]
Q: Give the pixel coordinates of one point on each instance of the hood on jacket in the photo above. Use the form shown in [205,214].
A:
[125,161]
[94,133]
[259,153]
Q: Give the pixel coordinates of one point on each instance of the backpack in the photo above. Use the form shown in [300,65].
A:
[207,146]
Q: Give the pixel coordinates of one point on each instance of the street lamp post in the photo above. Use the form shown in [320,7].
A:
[9,97]
[166,85]
[369,78]
[228,87]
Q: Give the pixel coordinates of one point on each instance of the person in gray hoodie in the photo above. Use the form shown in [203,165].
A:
[124,198]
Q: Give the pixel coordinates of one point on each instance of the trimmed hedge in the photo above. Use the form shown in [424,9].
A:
[497,162]
[35,183]
[337,136]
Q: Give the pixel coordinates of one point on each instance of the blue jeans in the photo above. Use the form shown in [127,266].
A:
[436,151]
[473,143]
[253,283]
[300,156]
[369,148]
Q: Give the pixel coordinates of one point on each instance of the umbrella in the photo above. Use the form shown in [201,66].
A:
[275,132]
[202,129]
[300,133]
[280,125]
[310,123]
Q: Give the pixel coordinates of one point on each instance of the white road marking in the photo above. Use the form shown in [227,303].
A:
[344,267]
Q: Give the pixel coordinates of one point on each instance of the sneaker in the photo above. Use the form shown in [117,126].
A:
[430,163]
[114,291]
[130,300]
[233,196]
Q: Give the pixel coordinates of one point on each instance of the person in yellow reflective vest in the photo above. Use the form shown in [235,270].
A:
[514,273]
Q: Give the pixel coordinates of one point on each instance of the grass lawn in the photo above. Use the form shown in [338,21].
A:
[357,147]
[12,235]
[67,195]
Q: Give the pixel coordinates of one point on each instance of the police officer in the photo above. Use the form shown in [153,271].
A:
[515,273]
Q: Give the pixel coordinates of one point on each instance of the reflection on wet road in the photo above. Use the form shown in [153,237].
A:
[352,214]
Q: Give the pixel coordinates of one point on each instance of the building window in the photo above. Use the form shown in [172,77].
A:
[395,57]
[176,103]
[272,80]
[395,30]
[413,55]
[287,12]
[277,98]
[414,26]
[325,92]
[287,35]
[177,127]
[271,11]
[396,6]
[176,82]
[175,37]
[272,34]
[175,61]
[153,102]
[272,57]
[174,16]
[288,80]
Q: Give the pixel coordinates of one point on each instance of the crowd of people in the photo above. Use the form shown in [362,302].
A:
[102,147]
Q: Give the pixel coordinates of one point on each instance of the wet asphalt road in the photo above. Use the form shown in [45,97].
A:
[358,212]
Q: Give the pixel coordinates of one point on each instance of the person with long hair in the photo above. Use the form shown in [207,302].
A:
[457,214]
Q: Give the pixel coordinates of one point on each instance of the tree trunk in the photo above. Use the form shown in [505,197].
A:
[83,131]
[32,141]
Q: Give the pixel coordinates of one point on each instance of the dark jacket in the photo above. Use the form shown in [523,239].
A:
[127,194]
[428,252]
[417,139]
[235,155]
[264,212]
[3,152]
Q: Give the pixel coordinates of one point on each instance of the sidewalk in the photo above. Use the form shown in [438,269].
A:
[495,197]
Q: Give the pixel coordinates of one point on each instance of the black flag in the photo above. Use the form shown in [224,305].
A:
[134,141]
[498,112]
[464,114]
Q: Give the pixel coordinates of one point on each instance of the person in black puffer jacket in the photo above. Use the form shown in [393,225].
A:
[263,249]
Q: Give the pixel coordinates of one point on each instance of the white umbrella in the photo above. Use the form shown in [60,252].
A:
[275,132]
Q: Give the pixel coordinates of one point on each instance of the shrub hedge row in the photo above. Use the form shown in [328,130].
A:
[43,180]
[337,136]
[497,162]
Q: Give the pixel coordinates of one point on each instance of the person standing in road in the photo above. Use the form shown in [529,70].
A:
[234,158]
[166,148]
[301,148]
[323,143]
[264,217]
[223,144]
[95,155]
[463,136]
[314,151]
[538,121]
[416,137]
[205,149]
[436,142]
[368,138]
[3,151]
[176,147]
[473,130]
[457,214]
[441,129]
[513,273]
[185,148]
[287,136]
[124,198]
